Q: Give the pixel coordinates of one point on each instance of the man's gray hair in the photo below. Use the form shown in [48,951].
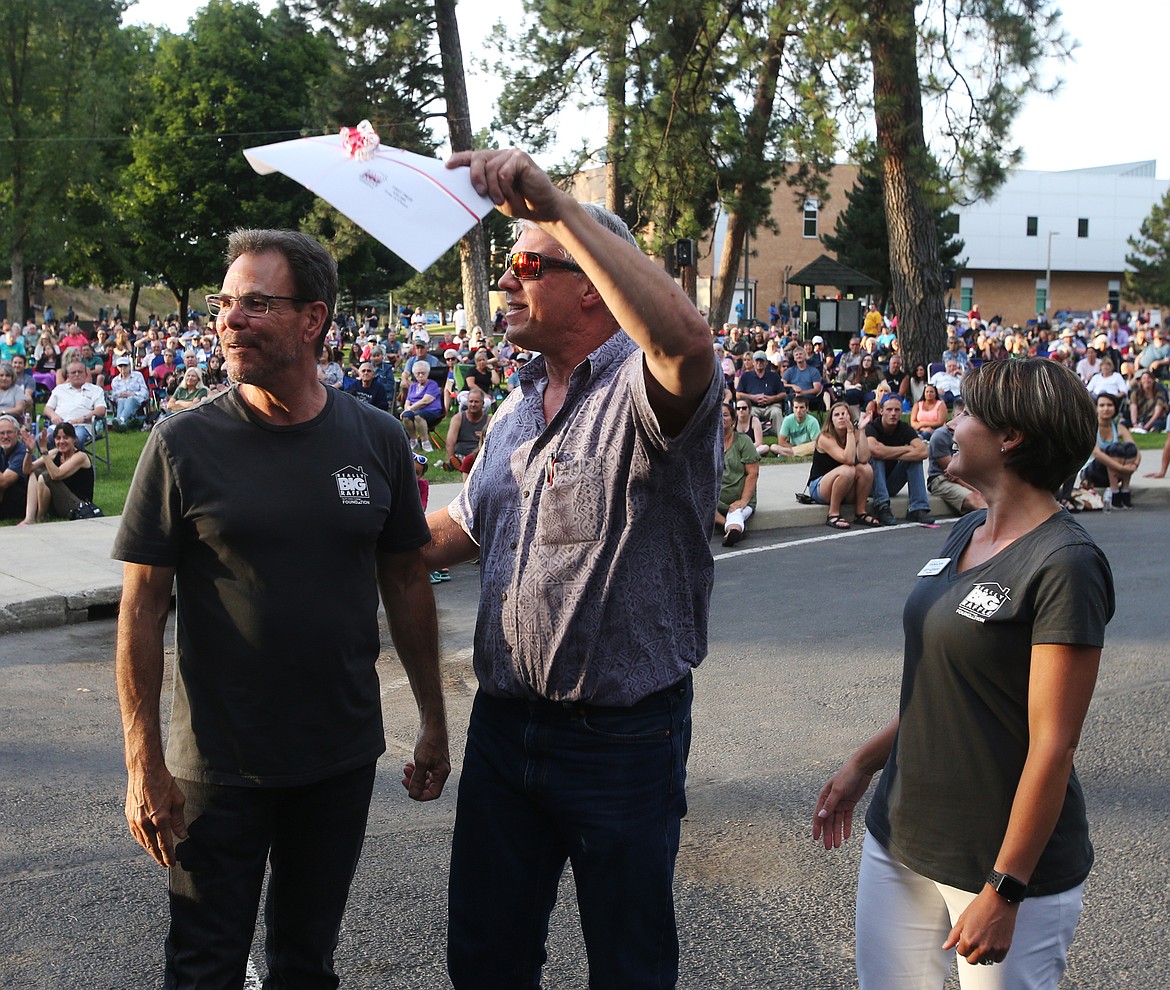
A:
[314,271]
[610,221]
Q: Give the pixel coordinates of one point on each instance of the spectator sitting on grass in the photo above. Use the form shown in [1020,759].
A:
[799,431]
[60,479]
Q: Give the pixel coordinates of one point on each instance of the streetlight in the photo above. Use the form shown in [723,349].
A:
[1048,275]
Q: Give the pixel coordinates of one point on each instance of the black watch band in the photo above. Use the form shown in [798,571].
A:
[1008,887]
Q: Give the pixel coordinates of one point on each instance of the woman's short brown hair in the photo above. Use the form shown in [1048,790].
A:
[1048,404]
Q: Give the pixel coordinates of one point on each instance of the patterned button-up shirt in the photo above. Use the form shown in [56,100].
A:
[594,532]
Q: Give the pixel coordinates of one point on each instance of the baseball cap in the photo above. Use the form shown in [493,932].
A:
[818,339]
[450,352]
[120,361]
[759,356]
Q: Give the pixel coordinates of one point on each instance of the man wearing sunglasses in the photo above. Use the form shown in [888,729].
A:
[277,724]
[590,508]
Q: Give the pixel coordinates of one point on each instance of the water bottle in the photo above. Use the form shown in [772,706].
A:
[1108,498]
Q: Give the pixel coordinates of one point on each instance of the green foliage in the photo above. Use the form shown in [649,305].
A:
[59,91]
[386,73]
[235,79]
[1149,278]
[440,286]
[860,238]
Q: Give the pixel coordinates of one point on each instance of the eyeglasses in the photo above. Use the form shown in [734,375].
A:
[742,408]
[528,265]
[252,304]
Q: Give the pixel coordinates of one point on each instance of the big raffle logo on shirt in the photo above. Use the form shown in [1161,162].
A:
[352,485]
[983,601]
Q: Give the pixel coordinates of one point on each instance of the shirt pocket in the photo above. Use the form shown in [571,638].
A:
[573,504]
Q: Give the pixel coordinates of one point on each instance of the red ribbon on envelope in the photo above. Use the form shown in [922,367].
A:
[360,142]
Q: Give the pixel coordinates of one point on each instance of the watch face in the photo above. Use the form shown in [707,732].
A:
[1009,888]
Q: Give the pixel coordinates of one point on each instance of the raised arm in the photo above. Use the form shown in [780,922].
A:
[647,303]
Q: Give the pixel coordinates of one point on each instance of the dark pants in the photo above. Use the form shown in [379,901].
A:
[603,788]
[312,836]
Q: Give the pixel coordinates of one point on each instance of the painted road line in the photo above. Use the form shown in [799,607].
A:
[841,534]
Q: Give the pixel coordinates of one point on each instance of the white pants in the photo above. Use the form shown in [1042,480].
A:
[903,919]
[737,518]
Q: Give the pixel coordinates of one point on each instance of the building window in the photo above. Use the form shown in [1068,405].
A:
[1033,226]
[966,293]
[811,207]
[1041,295]
[950,224]
[1083,227]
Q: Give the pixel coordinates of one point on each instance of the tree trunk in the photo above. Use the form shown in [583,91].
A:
[748,206]
[615,134]
[135,288]
[473,267]
[915,271]
[20,312]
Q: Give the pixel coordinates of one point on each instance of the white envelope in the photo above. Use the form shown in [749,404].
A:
[414,205]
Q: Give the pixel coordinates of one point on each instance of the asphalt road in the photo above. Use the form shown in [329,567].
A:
[804,663]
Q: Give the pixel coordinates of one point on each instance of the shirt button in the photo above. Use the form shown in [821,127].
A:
[524,494]
[507,647]
[504,597]
[513,545]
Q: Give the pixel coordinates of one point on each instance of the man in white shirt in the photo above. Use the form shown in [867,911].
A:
[77,402]
[948,382]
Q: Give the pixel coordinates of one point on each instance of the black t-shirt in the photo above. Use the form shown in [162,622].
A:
[273,532]
[942,803]
[902,435]
[479,379]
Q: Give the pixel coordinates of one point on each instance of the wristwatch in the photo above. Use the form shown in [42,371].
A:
[1008,887]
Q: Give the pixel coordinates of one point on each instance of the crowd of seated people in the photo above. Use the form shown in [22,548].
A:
[1118,356]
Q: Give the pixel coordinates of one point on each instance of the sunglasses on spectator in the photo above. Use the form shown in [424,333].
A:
[742,408]
[528,265]
[252,304]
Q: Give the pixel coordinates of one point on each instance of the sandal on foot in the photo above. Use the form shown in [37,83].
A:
[865,519]
[837,522]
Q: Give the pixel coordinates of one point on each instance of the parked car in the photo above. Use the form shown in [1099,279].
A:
[1069,317]
[956,317]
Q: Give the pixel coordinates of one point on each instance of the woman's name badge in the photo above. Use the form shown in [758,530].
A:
[933,567]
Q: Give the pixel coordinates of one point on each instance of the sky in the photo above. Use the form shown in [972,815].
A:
[1101,116]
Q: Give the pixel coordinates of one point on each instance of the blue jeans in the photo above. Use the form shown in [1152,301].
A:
[128,407]
[313,837]
[545,783]
[889,477]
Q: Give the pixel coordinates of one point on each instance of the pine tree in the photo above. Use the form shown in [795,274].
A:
[1149,281]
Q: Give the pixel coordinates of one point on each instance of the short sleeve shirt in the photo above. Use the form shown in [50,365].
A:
[942,803]
[277,600]
[742,451]
[902,436]
[594,529]
[752,384]
[797,432]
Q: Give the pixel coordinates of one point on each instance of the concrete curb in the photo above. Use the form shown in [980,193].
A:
[58,574]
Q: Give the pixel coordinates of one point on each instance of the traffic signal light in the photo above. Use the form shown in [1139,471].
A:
[684,252]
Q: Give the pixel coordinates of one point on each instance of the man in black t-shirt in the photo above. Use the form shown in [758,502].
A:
[276,724]
[896,455]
